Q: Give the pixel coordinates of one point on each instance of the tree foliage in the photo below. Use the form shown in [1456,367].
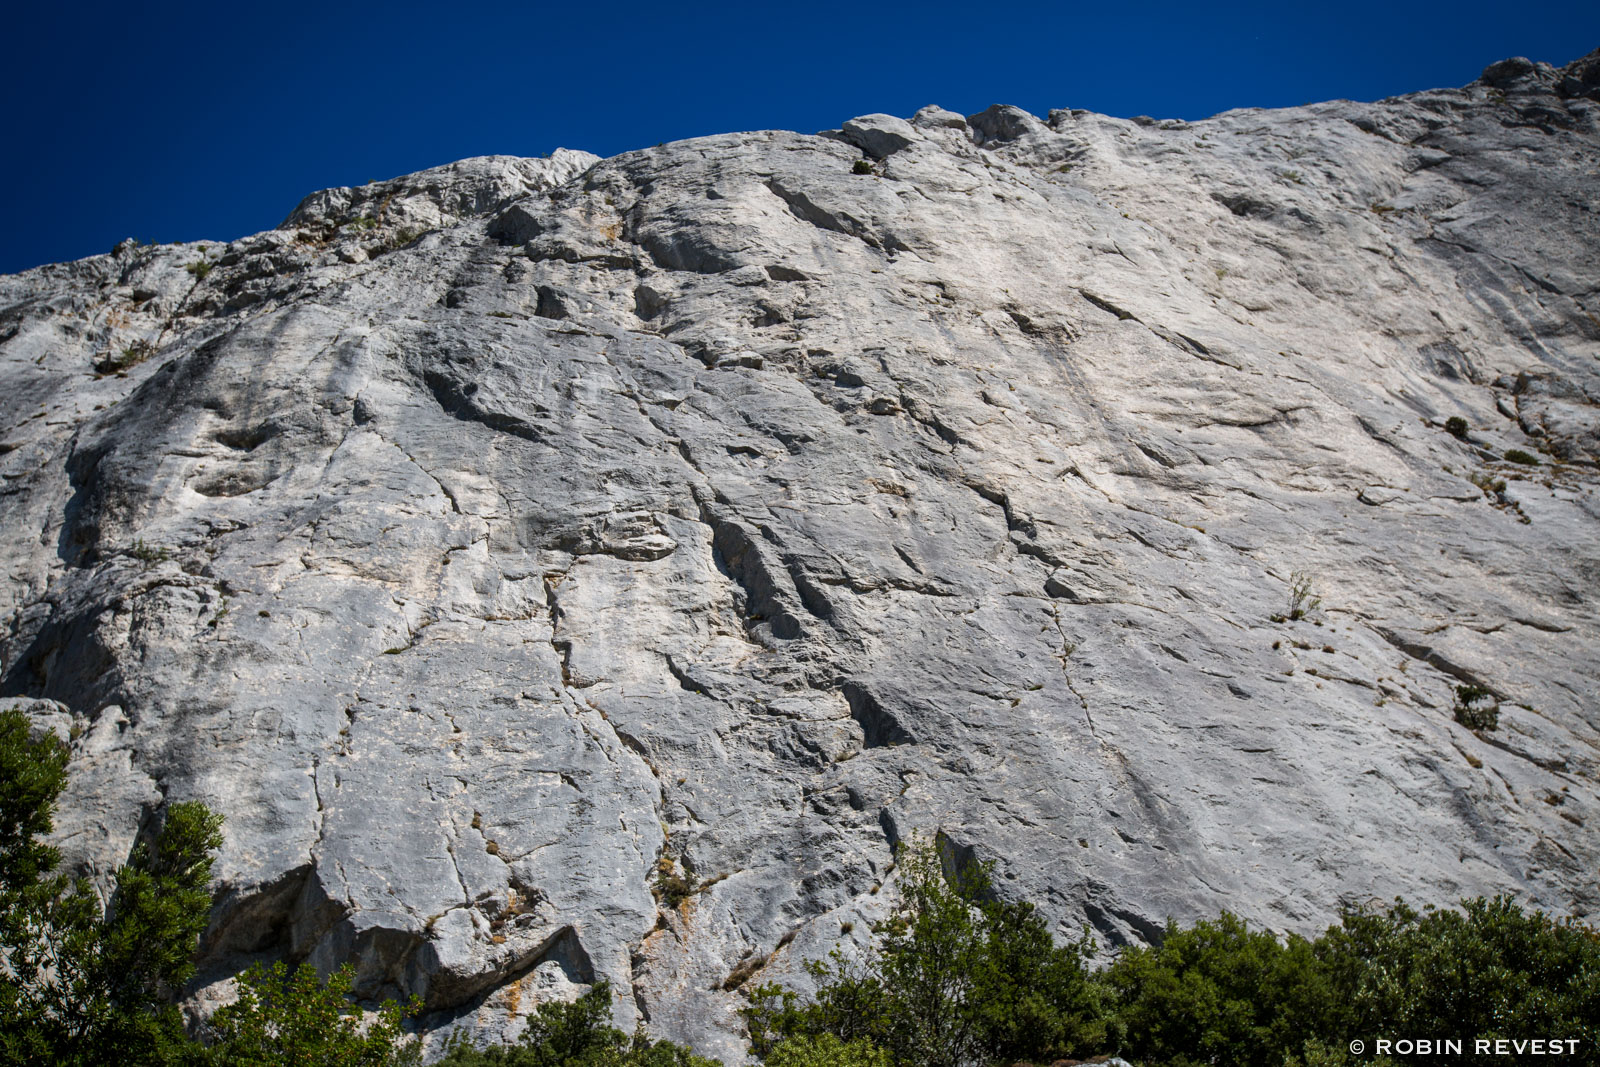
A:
[1220,992]
[284,1017]
[33,772]
[1489,970]
[82,984]
[826,1050]
[959,977]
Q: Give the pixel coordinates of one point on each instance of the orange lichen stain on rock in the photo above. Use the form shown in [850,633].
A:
[514,997]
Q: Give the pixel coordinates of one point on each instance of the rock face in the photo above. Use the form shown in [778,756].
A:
[569,568]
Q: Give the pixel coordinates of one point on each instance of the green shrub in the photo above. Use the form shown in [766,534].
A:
[131,356]
[1317,1053]
[32,775]
[1456,426]
[284,1018]
[861,166]
[672,888]
[1476,708]
[578,1034]
[1219,992]
[402,237]
[146,553]
[1490,970]
[82,984]
[1517,455]
[958,977]
[199,268]
[826,1050]
[1303,600]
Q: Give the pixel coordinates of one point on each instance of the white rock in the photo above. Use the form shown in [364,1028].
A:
[716,511]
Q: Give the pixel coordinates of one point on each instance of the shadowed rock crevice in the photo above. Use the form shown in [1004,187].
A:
[879,725]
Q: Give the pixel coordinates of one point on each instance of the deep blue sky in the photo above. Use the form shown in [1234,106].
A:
[190,121]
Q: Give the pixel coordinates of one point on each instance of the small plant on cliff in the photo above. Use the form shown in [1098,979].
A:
[400,238]
[1476,708]
[1456,426]
[672,888]
[1517,455]
[1303,599]
[130,356]
[861,166]
[1492,487]
[146,553]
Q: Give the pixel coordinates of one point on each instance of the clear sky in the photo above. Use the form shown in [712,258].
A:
[188,121]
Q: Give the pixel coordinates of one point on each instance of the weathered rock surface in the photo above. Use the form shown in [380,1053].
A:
[498,545]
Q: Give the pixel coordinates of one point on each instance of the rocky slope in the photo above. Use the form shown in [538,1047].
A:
[570,568]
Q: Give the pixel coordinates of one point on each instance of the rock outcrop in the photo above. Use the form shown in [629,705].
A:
[569,568]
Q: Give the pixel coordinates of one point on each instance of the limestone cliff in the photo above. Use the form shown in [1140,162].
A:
[512,548]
